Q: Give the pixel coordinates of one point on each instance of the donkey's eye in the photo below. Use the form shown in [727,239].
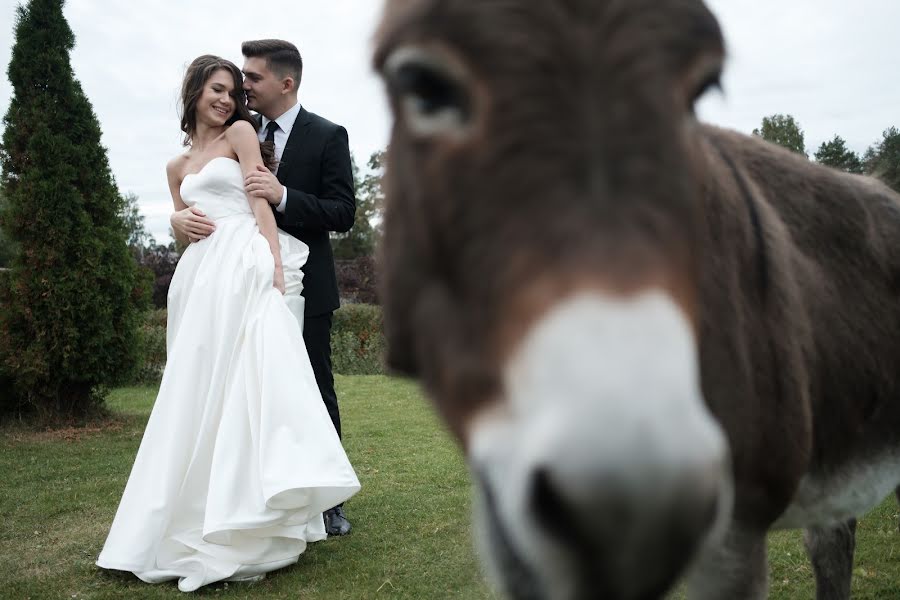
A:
[711,82]
[430,92]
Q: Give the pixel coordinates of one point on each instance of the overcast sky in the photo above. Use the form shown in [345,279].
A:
[832,64]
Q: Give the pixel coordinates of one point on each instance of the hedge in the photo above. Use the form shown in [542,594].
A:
[357,343]
[152,341]
[357,340]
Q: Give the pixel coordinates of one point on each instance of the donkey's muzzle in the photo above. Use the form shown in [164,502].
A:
[605,472]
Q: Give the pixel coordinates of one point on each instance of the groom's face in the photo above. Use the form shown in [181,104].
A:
[262,86]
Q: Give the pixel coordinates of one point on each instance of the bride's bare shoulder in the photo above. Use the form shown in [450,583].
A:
[240,130]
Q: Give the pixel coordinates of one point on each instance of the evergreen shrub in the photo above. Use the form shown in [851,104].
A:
[69,319]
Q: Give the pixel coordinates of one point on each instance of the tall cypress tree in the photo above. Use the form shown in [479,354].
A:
[69,319]
[7,248]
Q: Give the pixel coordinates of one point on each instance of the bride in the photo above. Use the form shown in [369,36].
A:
[239,458]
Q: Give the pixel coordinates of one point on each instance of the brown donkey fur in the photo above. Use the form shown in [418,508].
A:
[572,160]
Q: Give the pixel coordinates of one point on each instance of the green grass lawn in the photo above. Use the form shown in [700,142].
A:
[411,538]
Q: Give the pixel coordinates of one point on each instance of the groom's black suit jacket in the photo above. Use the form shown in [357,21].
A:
[315,169]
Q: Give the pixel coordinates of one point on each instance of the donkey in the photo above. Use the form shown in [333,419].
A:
[656,340]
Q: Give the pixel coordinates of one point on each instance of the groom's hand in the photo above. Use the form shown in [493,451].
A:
[192,223]
[263,184]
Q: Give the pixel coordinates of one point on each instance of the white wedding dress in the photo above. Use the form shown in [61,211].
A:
[239,458]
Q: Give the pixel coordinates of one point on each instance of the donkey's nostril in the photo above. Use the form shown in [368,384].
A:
[548,505]
[635,534]
[577,515]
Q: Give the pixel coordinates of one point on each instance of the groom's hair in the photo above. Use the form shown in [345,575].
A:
[282,57]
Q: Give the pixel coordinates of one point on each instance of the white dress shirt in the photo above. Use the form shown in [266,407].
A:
[285,125]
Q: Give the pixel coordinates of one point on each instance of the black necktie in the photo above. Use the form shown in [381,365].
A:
[270,131]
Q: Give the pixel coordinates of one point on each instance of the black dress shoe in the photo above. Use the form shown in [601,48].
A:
[336,522]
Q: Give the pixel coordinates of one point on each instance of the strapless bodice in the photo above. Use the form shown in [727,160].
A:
[217,189]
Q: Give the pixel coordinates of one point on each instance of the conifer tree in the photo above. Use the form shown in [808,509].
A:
[7,248]
[836,154]
[883,158]
[69,320]
[362,238]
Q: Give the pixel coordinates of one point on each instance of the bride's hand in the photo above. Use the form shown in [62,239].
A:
[278,282]
[192,223]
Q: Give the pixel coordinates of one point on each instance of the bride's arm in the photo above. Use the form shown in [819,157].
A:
[188,224]
[243,140]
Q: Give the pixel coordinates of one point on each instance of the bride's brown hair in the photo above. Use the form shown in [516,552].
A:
[198,73]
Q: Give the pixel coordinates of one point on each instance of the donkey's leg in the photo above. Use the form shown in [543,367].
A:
[831,551]
[734,568]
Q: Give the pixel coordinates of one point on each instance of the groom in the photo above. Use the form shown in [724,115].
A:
[312,195]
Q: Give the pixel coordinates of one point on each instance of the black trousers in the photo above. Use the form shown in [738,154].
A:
[317,337]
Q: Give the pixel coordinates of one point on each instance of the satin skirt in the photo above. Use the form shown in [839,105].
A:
[239,458]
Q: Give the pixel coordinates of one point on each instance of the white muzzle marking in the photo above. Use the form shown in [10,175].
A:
[601,389]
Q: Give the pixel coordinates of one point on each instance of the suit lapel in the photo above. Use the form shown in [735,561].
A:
[294,144]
